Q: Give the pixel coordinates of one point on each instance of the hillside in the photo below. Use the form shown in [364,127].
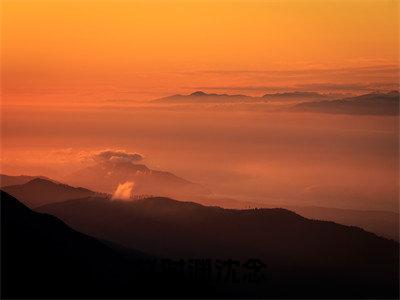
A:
[42,191]
[314,250]
[382,223]
[44,258]
[6,180]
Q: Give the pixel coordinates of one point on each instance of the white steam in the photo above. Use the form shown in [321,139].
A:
[124,191]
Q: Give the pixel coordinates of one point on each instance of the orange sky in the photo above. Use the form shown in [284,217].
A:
[74,51]
[99,50]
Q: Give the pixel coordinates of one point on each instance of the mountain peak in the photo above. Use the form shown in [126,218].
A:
[198,93]
[41,181]
[203,97]
[41,191]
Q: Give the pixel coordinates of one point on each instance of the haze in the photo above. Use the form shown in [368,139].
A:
[78,77]
[274,158]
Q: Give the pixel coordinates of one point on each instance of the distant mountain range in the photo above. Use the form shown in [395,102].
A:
[298,96]
[368,104]
[202,97]
[38,191]
[105,177]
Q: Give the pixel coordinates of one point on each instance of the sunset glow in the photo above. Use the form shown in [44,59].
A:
[200,149]
[58,51]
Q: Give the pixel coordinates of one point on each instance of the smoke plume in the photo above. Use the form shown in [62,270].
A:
[124,191]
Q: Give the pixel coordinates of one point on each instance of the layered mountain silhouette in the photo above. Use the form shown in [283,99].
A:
[202,97]
[379,103]
[44,258]
[105,177]
[368,104]
[382,223]
[297,96]
[6,180]
[41,257]
[38,191]
[299,252]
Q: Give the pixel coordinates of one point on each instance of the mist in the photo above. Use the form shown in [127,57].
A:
[271,157]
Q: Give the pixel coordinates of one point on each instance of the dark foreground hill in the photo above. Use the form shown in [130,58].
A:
[41,257]
[304,258]
[40,191]
[382,223]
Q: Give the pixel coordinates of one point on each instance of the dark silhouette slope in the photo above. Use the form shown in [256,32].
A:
[42,191]
[299,252]
[383,223]
[41,257]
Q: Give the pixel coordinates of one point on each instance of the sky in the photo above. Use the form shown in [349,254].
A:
[60,51]
[65,64]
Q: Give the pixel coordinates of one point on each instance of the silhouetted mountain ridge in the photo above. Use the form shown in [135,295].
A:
[215,231]
[304,258]
[43,257]
[41,191]
[300,94]
[202,97]
[6,180]
[297,96]
[382,223]
[368,104]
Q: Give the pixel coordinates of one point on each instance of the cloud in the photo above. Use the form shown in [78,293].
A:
[117,156]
